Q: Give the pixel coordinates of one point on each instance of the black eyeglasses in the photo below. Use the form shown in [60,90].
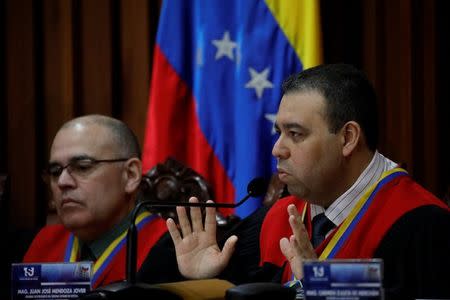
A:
[79,167]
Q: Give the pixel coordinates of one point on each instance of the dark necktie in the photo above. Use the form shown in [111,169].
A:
[320,227]
[86,254]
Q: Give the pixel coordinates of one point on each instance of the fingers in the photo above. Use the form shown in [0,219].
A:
[297,261]
[295,246]
[173,230]
[292,211]
[286,249]
[196,216]
[196,219]
[298,228]
[302,243]
[210,220]
[300,239]
[289,248]
[185,225]
[228,248]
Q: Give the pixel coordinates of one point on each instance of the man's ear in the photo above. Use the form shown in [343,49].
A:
[351,134]
[132,174]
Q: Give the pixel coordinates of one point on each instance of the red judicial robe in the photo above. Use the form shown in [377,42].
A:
[55,243]
[401,222]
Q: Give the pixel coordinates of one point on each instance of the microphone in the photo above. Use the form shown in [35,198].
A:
[256,187]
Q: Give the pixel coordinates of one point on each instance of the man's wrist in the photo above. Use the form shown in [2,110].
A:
[296,284]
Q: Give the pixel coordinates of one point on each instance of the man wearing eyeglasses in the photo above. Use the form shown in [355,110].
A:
[94,172]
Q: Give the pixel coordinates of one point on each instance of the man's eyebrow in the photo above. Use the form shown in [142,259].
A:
[72,159]
[80,157]
[290,126]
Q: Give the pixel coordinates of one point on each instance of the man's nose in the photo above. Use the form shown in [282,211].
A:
[66,179]
[279,149]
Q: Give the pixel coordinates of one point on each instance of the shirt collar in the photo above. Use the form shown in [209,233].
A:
[99,245]
[342,206]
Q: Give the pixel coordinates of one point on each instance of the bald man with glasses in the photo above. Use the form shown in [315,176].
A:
[94,173]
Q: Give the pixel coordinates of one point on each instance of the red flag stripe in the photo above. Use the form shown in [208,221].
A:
[167,128]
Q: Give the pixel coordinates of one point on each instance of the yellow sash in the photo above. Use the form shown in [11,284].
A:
[112,249]
[353,218]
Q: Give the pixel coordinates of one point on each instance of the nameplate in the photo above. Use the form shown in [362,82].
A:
[50,280]
[343,279]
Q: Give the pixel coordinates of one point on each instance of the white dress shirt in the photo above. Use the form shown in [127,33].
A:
[342,206]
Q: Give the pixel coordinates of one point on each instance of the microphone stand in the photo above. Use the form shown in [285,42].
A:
[131,260]
[130,287]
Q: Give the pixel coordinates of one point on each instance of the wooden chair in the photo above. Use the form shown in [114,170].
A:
[172,181]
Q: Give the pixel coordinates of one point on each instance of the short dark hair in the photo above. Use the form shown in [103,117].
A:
[125,137]
[348,93]
[122,135]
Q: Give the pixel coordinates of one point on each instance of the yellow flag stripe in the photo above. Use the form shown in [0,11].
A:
[300,22]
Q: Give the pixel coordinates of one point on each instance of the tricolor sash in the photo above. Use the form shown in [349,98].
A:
[346,228]
[72,249]
[341,234]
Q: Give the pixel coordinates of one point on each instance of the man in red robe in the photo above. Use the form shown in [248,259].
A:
[358,203]
[94,172]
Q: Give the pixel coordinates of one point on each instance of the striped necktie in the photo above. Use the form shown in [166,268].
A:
[321,225]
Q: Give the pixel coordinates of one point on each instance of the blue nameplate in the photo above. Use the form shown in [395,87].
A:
[50,280]
[343,279]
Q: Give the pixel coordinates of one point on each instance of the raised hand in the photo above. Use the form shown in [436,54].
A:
[198,255]
[298,247]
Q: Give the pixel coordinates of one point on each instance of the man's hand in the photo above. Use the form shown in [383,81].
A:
[198,254]
[298,247]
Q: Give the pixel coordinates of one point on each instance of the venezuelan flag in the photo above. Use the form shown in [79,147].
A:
[216,86]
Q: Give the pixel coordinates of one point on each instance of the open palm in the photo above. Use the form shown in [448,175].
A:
[198,254]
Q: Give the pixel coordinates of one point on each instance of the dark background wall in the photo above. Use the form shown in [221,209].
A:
[63,58]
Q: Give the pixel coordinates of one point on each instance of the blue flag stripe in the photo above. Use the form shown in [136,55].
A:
[218,47]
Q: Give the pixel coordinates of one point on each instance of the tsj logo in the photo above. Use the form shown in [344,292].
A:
[28,271]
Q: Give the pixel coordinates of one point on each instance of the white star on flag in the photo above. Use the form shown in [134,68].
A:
[225,46]
[271,118]
[259,81]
